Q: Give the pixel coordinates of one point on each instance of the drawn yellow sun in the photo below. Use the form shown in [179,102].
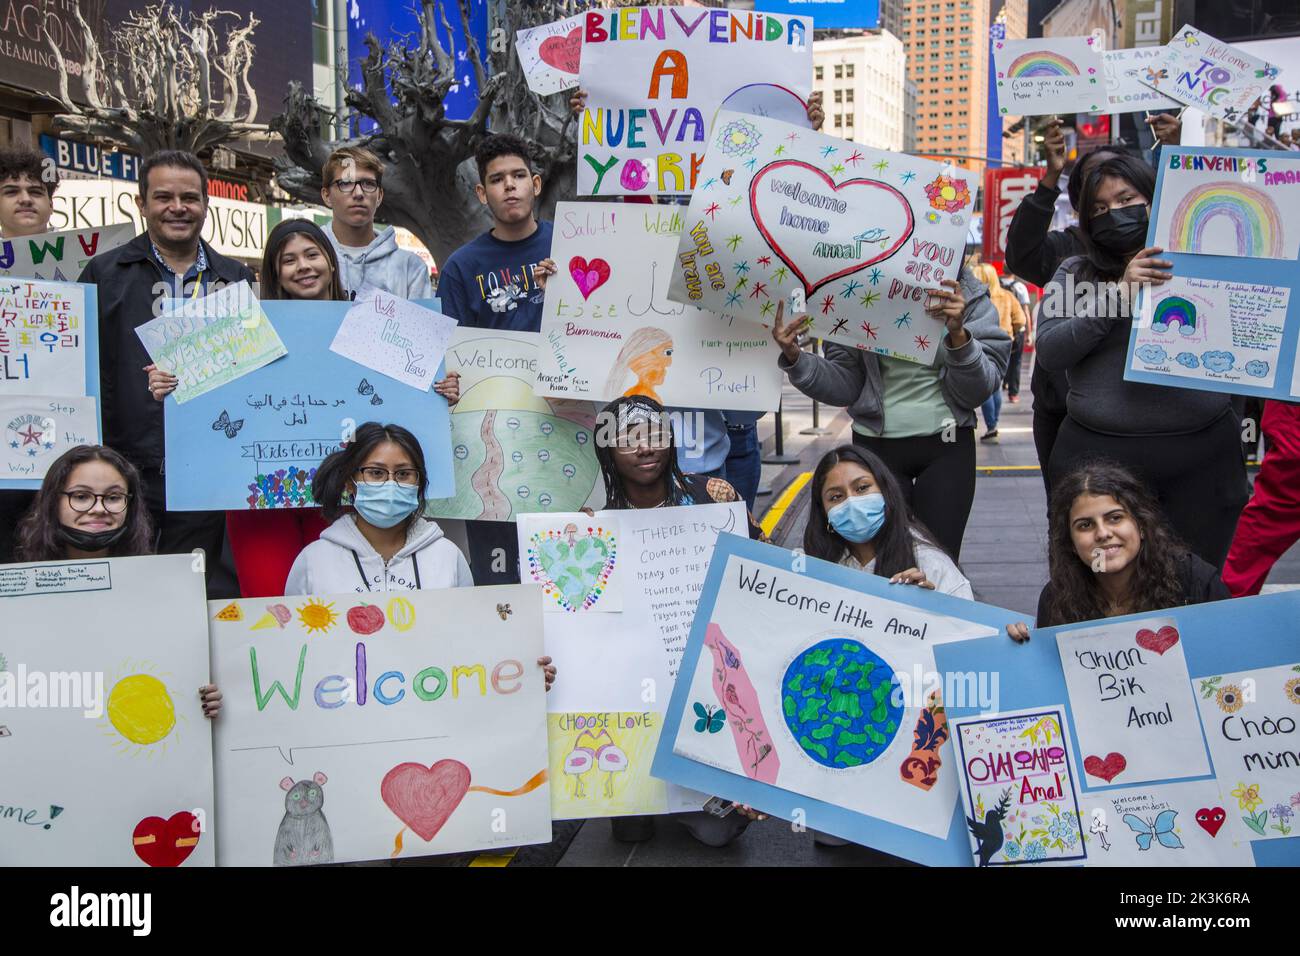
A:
[316,615]
[140,709]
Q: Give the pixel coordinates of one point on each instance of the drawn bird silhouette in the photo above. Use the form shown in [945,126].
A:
[989,833]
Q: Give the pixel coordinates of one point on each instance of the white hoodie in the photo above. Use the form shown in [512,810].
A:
[382,265]
[329,565]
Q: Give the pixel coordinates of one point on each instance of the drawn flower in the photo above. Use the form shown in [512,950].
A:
[1281,812]
[739,138]
[1293,690]
[1036,850]
[1063,830]
[1295,799]
[1011,850]
[933,218]
[948,194]
[1229,698]
[1248,797]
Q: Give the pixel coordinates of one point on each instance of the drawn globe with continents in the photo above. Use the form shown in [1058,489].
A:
[515,452]
[837,697]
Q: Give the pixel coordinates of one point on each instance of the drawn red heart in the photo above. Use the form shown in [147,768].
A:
[1107,769]
[1210,820]
[1159,641]
[589,276]
[424,797]
[160,842]
[564,53]
[872,197]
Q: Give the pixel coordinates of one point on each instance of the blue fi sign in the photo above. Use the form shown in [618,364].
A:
[828,14]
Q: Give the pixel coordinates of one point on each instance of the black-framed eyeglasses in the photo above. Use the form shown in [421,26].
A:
[368,186]
[372,475]
[114,502]
[655,439]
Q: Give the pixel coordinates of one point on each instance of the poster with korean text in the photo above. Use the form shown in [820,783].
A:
[1047,75]
[361,728]
[656,78]
[609,329]
[859,233]
[1223,80]
[60,256]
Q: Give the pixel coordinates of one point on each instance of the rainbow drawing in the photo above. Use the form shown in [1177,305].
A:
[1042,63]
[1174,309]
[1253,215]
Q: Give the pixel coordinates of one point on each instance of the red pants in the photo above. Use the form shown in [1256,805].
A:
[265,544]
[1270,523]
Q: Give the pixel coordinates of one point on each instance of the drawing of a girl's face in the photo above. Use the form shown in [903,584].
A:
[651,368]
[304,268]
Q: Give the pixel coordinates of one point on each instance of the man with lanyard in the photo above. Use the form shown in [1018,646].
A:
[169,261]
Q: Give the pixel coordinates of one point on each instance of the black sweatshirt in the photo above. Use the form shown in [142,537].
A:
[1199,580]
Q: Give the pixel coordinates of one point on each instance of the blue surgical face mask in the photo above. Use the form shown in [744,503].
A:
[386,505]
[859,519]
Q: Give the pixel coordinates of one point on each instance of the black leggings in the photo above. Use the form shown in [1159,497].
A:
[938,479]
[1199,478]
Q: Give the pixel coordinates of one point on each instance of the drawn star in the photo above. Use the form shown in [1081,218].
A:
[856,158]
[790,138]
[907,177]
[764,261]
[13,444]
[759,289]
[837,169]
[732,298]
[851,288]
[839,326]
[735,201]
[711,181]
[49,445]
[732,242]
[31,453]
[767,308]
[869,299]
[827,150]
[742,268]
[874,277]
[712,210]
[31,436]
[867,327]
[904,319]
[742,283]
[751,163]
[881,166]
[828,304]
[922,343]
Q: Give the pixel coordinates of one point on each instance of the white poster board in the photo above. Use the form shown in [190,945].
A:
[550,55]
[60,256]
[1047,75]
[1172,824]
[1211,75]
[106,754]
[397,338]
[1125,70]
[36,430]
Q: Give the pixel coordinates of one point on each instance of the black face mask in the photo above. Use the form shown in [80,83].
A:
[90,540]
[1120,231]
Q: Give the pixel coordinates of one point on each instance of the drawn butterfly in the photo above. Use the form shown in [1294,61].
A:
[224,424]
[1154,76]
[727,174]
[710,718]
[365,388]
[1162,830]
[504,611]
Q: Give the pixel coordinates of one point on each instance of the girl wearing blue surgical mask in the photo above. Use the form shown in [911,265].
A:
[860,519]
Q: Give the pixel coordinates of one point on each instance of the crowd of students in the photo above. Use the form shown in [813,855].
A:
[1146,484]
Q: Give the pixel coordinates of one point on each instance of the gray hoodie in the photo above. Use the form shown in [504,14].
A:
[382,265]
[330,565]
[851,378]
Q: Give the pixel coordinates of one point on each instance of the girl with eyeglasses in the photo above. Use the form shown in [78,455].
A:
[91,506]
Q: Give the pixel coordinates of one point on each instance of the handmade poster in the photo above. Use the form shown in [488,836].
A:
[256,443]
[655,77]
[512,452]
[1131,699]
[610,330]
[1228,332]
[361,727]
[1125,70]
[1228,321]
[107,755]
[1211,75]
[1250,722]
[826,681]
[619,668]
[1018,788]
[1172,824]
[550,55]
[1222,202]
[38,429]
[1263,642]
[1047,75]
[60,256]
[860,233]
[394,337]
[210,341]
[575,560]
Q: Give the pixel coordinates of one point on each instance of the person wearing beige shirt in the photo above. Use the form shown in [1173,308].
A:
[1011,317]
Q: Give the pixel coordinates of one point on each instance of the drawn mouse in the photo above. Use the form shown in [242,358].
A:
[304,834]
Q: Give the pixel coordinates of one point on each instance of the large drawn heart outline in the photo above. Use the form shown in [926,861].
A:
[564,53]
[425,797]
[169,842]
[570,567]
[811,282]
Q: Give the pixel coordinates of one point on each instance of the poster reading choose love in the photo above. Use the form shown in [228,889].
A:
[860,232]
[657,76]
